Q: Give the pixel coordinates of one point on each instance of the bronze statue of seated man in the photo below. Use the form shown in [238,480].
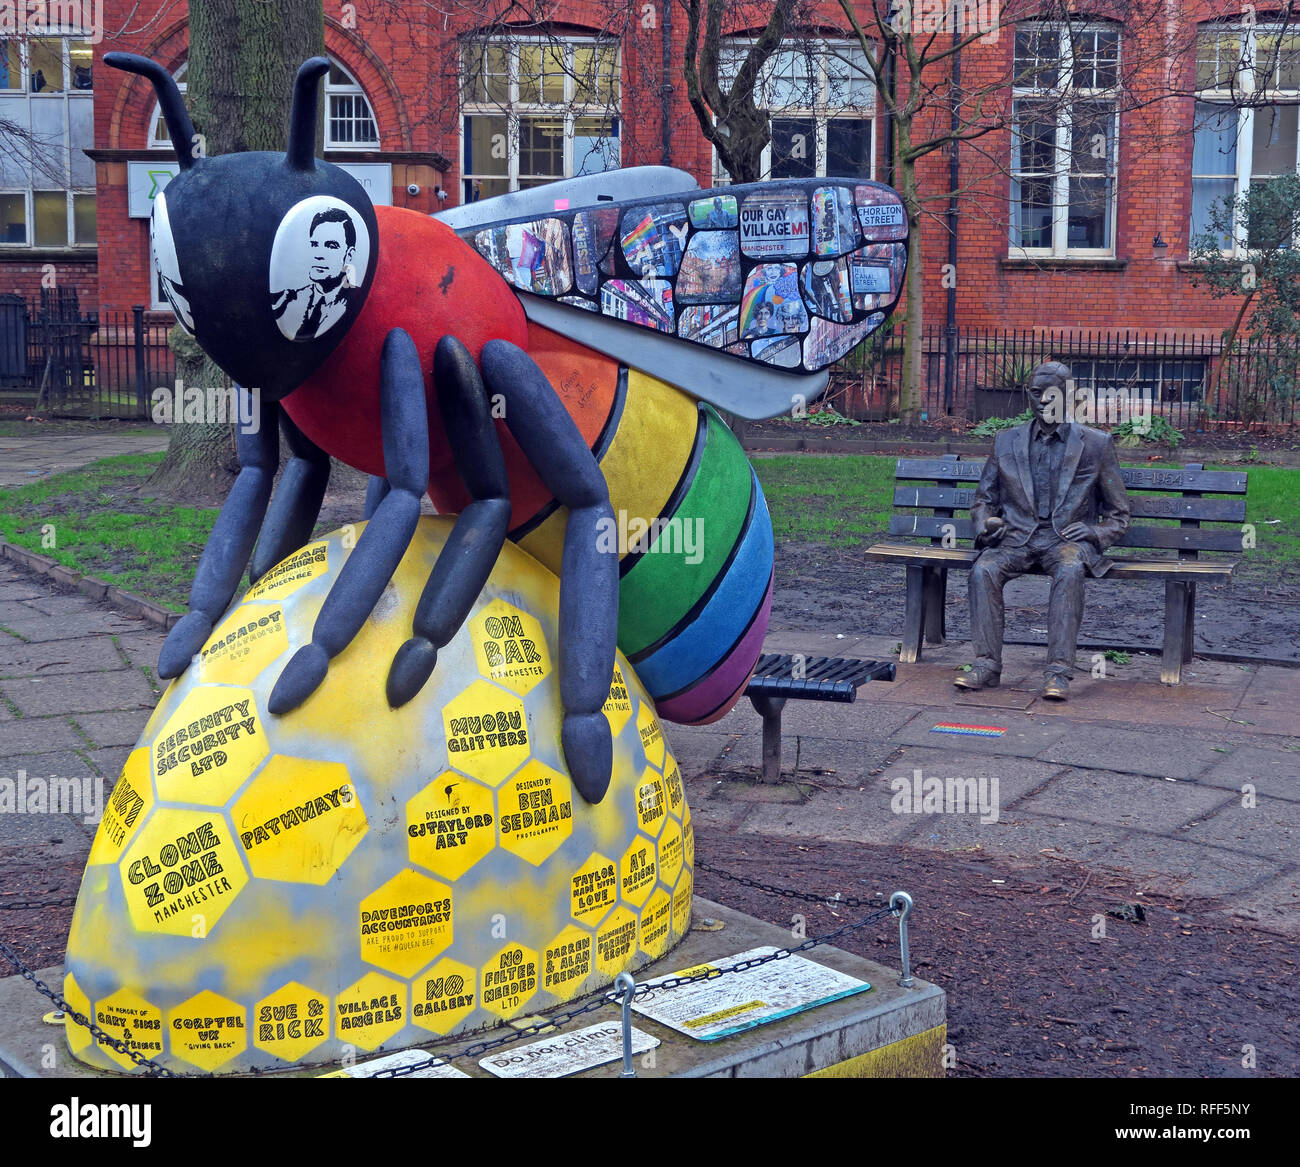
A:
[1051,498]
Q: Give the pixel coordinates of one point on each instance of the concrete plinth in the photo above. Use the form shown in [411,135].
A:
[888,1031]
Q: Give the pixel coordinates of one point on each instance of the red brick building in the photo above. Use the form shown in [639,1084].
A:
[1049,235]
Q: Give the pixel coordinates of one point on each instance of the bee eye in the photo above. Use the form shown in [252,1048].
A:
[169,269]
[319,262]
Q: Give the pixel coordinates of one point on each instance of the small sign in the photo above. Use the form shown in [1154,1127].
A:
[376,177]
[567,1053]
[969,730]
[407,1057]
[712,1009]
[144,181]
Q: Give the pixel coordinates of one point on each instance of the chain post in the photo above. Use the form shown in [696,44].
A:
[901,904]
[624,983]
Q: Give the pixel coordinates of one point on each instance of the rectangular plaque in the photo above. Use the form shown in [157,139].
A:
[566,1053]
[713,1009]
[406,1057]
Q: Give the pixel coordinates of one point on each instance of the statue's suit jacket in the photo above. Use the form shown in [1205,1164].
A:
[1090,490]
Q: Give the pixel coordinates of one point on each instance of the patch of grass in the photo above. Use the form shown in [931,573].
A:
[1116,657]
[828,498]
[105,528]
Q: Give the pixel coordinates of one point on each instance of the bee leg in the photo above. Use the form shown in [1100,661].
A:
[388,534]
[480,529]
[588,576]
[226,555]
[376,489]
[295,507]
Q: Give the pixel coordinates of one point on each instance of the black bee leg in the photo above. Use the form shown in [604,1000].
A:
[480,529]
[231,542]
[295,506]
[388,534]
[376,488]
[588,576]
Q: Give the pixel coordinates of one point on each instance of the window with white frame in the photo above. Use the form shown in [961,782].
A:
[349,122]
[821,97]
[537,110]
[1065,129]
[47,184]
[1246,122]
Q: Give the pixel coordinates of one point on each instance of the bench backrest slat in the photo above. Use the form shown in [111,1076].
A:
[1135,477]
[1149,506]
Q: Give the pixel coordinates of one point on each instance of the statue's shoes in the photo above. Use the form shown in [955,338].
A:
[1057,688]
[977,678]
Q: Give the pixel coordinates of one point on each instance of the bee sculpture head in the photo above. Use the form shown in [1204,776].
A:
[265,258]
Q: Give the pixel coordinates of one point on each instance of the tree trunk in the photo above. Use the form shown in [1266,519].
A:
[243,58]
[909,393]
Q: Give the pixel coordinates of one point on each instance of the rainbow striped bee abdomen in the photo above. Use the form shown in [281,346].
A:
[694,540]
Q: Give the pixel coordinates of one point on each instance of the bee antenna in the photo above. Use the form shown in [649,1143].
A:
[178,121]
[301,154]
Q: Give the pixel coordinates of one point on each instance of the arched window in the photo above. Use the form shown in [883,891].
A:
[349,121]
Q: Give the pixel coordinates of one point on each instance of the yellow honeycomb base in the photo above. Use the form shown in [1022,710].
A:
[266,891]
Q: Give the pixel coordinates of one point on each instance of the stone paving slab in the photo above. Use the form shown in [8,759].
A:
[113,729]
[1124,800]
[31,457]
[1026,736]
[37,735]
[812,754]
[1162,755]
[1190,867]
[53,657]
[120,689]
[39,627]
[1275,773]
[1269,830]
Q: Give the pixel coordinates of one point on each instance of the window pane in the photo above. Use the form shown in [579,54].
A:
[351,122]
[848,148]
[794,148]
[595,74]
[11,74]
[45,68]
[1214,146]
[541,147]
[13,218]
[553,74]
[50,150]
[15,169]
[1088,224]
[1217,57]
[1031,210]
[1275,60]
[1274,140]
[1096,57]
[485,145]
[81,125]
[530,73]
[83,218]
[51,214]
[595,145]
[1205,193]
[1092,138]
[484,188]
[1033,141]
[81,55]
[1037,53]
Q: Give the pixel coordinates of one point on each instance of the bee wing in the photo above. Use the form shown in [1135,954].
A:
[588,190]
[740,295]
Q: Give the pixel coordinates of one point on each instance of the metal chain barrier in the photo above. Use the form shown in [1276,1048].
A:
[615,996]
[787,892]
[153,1069]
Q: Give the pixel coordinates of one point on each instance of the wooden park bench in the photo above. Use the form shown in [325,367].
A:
[781,676]
[935,506]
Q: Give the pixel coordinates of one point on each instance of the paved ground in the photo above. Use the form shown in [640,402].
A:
[1196,789]
[33,456]
[1129,774]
